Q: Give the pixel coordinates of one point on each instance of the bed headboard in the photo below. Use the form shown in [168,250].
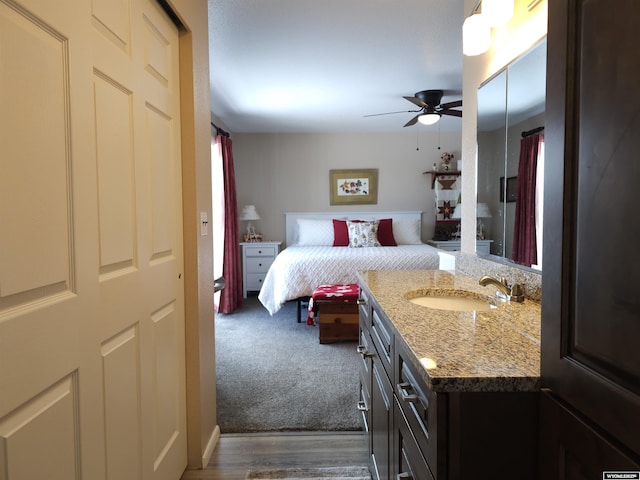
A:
[291,217]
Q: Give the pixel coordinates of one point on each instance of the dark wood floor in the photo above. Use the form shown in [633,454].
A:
[235,454]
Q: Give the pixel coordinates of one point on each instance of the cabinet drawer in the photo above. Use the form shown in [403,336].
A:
[365,309]
[254,281]
[383,340]
[418,405]
[258,264]
[260,251]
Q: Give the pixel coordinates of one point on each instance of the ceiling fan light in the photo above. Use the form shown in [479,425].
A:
[497,12]
[429,118]
[476,35]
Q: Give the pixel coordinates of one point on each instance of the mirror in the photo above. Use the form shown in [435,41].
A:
[509,104]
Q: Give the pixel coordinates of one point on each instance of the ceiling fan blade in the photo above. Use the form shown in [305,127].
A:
[457,103]
[391,113]
[413,121]
[416,101]
[453,113]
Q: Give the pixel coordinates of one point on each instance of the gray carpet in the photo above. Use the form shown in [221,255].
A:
[273,374]
[331,473]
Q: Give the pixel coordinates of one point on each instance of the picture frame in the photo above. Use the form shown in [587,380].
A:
[511,191]
[353,186]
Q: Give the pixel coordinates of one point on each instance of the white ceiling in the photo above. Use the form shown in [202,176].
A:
[321,65]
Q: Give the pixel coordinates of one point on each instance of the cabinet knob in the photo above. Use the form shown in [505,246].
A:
[362,350]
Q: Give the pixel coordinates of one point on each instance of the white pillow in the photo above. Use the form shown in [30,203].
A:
[314,232]
[363,234]
[407,231]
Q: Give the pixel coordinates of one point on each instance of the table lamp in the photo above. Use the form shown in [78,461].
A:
[249,213]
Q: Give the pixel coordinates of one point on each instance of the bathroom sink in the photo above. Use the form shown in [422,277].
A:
[453,300]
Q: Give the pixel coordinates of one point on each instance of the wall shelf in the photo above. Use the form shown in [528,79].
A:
[436,174]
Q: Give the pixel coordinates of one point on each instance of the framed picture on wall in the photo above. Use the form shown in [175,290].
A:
[511,191]
[353,187]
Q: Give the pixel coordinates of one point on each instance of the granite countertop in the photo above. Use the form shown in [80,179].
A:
[491,350]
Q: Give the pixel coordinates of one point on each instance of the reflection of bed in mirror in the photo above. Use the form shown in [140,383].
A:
[509,104]
[310,259]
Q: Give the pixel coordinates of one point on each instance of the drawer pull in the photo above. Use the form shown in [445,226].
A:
[362,407]
[404,394]
[362,350]
[402,475]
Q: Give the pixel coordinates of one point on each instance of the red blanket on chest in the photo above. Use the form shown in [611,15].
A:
[347,293]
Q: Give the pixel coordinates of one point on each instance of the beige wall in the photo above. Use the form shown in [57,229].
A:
[290,172]
[202,431]
[523,31]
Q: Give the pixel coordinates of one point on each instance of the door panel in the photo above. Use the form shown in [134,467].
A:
[44,428]
[591,305]
[92,369]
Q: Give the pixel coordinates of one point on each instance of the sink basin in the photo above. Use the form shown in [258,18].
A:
[453,300]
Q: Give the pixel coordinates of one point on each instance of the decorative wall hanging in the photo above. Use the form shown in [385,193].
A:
[353,187]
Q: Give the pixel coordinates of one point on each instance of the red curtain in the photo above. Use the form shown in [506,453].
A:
[231,296]
[524,235]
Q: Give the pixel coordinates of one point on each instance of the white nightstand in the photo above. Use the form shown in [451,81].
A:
[482,246]
[257,257]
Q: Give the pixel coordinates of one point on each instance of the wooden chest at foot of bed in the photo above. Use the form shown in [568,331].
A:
[337,321]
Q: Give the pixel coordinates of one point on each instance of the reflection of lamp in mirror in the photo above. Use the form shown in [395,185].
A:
[482,211]
[249,213]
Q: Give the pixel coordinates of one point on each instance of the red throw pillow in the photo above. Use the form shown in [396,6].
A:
[340,233]
[385,233]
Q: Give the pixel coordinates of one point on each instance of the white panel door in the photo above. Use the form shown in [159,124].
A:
[92,374]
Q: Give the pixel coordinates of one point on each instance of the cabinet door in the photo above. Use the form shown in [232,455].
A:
[408,462]
[571,450]
[381,420]
[591,302]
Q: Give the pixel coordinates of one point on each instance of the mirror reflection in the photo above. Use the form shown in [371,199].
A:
[511,159]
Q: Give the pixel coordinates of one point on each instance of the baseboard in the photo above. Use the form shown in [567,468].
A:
[211,445]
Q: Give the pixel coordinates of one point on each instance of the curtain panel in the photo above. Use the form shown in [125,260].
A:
[524,235]
[231,296]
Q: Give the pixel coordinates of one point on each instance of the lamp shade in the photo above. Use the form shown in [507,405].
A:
[482,211]
[429,118]
[249,212]
[476,35]
[497,12]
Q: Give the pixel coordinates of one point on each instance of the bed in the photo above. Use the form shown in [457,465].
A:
[311,259]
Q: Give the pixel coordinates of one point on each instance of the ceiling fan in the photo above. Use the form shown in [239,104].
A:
[430,108]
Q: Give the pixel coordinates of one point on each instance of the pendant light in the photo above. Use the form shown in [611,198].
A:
[476,35]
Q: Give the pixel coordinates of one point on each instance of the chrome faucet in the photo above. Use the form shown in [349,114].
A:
[513,293]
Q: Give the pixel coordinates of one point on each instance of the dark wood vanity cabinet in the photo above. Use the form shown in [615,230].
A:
[415,433]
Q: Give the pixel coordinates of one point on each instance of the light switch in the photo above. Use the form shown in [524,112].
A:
[204,223]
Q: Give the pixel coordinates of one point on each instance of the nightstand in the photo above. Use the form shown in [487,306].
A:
[482,246]
[257,257]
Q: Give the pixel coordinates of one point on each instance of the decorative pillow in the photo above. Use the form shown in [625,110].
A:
[407,231]
[363,234]
[340,233]
[314,232]
[385,233]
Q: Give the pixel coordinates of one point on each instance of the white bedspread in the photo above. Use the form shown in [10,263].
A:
[297,271]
